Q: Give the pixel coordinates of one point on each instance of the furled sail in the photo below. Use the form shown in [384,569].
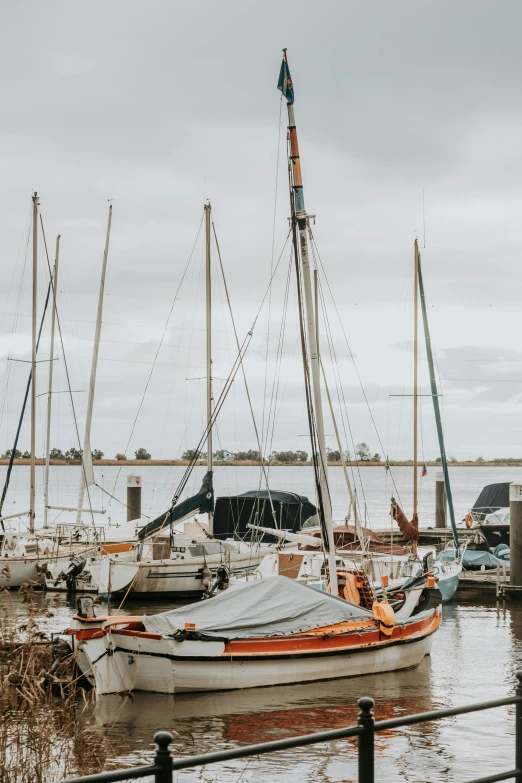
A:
[409,530]
[201,503]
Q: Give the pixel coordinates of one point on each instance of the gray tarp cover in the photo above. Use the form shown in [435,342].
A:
[274,606]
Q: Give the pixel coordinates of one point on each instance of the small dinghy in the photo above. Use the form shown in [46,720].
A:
[274,631]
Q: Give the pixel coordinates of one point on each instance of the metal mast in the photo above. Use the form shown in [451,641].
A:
[415,373]
[300,222]
[210,400]
[87,477]
[50,392]
[32,500]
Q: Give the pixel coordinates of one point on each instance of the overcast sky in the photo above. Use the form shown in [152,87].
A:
[160,106]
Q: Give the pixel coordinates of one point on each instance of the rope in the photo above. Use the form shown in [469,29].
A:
[75,420]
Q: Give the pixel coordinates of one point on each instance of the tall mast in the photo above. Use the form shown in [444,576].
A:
[50,392]
[300,221]
[415,372]
[87,477]
[210,401]
[32,500]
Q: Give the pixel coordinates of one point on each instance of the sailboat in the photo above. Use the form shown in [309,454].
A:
[446,573]
[25,557]
[158,560]
[272,631]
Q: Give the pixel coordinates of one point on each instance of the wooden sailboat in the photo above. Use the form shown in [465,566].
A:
[271,631]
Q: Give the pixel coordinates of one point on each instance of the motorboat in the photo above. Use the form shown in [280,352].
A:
[271,631]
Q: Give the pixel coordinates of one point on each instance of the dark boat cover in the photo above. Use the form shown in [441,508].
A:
[492,497]
[199,504]
[275,606]
[234,513]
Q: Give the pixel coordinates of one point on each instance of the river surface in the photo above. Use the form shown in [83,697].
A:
[475,655]
[374,486]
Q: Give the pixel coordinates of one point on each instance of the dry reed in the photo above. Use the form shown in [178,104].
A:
[44,731]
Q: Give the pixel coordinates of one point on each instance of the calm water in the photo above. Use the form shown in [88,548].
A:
[374,486]
[475,655]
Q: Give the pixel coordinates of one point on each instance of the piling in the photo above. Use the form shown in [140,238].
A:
[133,497]
[515,535]
[441,507]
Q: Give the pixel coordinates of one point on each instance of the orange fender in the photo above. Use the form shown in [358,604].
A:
[384,614]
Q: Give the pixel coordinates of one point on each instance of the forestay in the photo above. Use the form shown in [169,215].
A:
[275,606]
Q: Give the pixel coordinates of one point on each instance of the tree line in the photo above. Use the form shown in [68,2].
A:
[362,454]
[76,455]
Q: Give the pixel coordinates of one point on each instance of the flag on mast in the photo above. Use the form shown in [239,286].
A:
[424,470]
[285,83]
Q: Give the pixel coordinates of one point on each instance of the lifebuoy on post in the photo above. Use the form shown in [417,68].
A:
[469,520]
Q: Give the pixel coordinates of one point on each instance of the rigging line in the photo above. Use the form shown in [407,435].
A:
[272,414]
[24,404]
[16,314]
[339,386]
[115,498]
[354,364]
[66,367]
[263,468]
[160,345]
[271,266]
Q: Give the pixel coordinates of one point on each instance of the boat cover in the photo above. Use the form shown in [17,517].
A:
[199,504]
[274,508]
[275,606]
[473,558]
[492,497]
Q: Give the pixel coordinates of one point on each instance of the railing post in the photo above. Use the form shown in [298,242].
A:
[518,726]
[366,740]
[163,757]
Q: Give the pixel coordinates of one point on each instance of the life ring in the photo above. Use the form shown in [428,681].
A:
[469,520]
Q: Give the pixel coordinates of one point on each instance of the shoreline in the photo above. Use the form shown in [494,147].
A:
[143,463]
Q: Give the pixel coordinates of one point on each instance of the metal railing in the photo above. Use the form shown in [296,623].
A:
[165,764]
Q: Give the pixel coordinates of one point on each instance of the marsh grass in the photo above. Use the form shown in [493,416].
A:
[44,726]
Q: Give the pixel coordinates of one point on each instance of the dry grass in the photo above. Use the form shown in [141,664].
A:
[44,731]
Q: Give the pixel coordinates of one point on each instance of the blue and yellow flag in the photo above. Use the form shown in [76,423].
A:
[285,83]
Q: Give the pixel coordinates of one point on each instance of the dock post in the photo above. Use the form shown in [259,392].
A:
[163,758]
[440,501]
[133,497]
[366,740]
[515,535]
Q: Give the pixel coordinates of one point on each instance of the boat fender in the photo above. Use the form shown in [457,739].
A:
[469,520]
[384,614]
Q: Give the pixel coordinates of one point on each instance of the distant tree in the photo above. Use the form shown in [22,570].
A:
[18,453]
[347,455]
[222,454]
[247,456]
[56,454]
[362,451]
[438,459]
[121,457]
[26,455]
[452,459]
[97,454]
[333,455]
[376,457]
[74,455]
[189,454]
[480,459]
[142,454]
[301,456]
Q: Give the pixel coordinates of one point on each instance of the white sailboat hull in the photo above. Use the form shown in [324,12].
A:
[167,666]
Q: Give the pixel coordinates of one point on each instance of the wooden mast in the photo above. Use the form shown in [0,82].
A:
[415,374]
